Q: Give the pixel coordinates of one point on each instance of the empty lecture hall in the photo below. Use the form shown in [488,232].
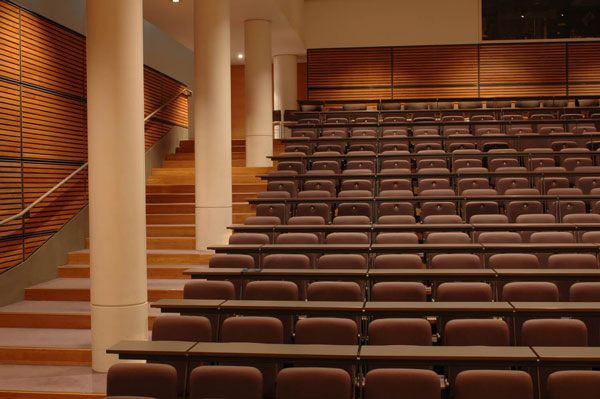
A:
[300,199]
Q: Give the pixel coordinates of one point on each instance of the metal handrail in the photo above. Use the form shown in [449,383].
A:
[26,211]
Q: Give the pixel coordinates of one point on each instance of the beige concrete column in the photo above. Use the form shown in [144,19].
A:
[285,82]
[212,121]
[259,92]
[115,100]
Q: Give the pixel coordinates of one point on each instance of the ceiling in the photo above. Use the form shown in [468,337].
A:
[176,20]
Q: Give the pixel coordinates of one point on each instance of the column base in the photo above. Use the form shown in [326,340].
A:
[211,226]
[258,148]
[111,324]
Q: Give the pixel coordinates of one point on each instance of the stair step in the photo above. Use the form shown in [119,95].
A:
[154,257]
[166,198]
[78,289]
[154,271]
[249,187]
[243,197]
[167,218]
[243,207]
[179,163]
[171,230]
[170,188]
[180,156]
[164,243]
[170,208]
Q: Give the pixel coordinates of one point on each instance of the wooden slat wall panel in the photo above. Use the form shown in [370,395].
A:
[61,205]
[43,126]
[349,73]
[53,57]
[435,71]
[54,127]
[9,41]
[584,68]
[10,125]
[522,69]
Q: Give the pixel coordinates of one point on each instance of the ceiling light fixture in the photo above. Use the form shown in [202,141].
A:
[175,1]
[240,56]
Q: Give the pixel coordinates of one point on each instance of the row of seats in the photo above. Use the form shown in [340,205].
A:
[475,104]
[244,382]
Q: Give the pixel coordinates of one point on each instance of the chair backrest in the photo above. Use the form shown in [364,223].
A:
[466,332]
[357,184]
[297,238]
[209,289]
[398,291]
[157,381]
[326,331]
[347,238]
[438,208]
[572,261]
[313,382]
[265,330]
[181,328]
[341,261]
[249,238]
[262,221]
[455,261]
[400,332]
[413,383]
[554,332]
[334,291]
[286,261]
[355,209]
[443,219]
[513,261]
[306,221]
[396,238]
[396,208]
[226,382]
[352,219]
[398,261]
[579,384]
[284,185]
[271,291]
[481,219]
[585,292]
[320,185]
[448,238]
[231,260]
[464,292]
[530,291]
[488,237]
[493,384]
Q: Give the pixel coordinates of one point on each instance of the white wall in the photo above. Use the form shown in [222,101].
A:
[161,52]
[361,23]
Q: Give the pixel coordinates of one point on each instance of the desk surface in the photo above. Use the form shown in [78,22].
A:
[561,354]
[294,306]
[276,352]
[558,308]
[434,308]
[192,304]
[155,348]
[448,354]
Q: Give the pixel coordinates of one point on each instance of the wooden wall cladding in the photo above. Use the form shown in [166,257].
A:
[435,71]
[522,70]
[349,73]
[43,126]
[467,71]
[584,68]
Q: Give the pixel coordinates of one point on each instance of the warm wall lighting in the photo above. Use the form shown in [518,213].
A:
[175,1]
[240,56]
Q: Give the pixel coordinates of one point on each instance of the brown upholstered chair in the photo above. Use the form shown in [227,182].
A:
[226,382]
[147,380]
[398,291]
[493,384]
[579,384]
[412,383]
[313,382]
[400,332]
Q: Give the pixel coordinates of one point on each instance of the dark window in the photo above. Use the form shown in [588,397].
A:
[540,19]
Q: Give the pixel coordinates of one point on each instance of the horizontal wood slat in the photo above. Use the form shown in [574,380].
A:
[435,71]
[467,71]
[43,126]
[349,73]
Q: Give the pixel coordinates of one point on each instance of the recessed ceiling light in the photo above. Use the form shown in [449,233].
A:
[240,56]
[175,1]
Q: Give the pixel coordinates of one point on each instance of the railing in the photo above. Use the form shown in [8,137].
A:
[25,212]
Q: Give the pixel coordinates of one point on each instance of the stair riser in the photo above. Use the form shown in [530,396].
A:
[170,209]
[164,243]
[46,356]
[42,294]
[169,188]
[170,219]
[83,258]
[244,208]
[170,198]
[153,273]
[170,231]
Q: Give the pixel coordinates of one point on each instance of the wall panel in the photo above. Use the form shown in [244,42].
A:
[43,126]
[458,71]
[349,73]
[584,68]
[435,71]
[523,69]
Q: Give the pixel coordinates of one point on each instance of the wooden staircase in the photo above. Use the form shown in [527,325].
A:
[46,340]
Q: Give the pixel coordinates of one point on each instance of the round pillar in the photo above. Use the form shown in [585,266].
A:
[285,82]
[115,100]
[212,121]
[259,92]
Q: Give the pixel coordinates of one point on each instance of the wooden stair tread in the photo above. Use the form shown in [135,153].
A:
[44,381]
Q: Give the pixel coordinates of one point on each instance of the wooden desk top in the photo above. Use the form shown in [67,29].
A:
[439,308]
[274,352]
[315,248]
[447,248]
[559,354]
[555,274]
[430,274]
[294,307]
[557,308]
[237,248]
[448,354]
[224,272]
[199,305]
[338,274]
[150,349]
